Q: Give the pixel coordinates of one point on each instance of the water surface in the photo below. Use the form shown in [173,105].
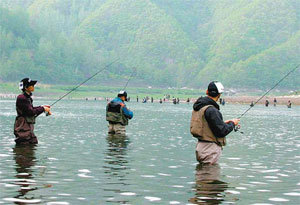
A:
[76,162]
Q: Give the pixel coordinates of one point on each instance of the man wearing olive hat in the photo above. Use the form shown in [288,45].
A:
[26,113]
[208,127]
[117,114]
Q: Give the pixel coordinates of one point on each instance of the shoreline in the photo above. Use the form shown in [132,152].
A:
[281,100]
[243,99]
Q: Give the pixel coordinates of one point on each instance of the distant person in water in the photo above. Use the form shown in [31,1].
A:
[117,114]
[223,102]
[252,104]
[160,101]
[174,100]
[208,127]
[267,103]
[275,101]
[26,113]
[289,105]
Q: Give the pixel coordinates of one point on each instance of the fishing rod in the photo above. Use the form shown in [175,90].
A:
[132,73]
[238,127]
[105,67]
[76,87]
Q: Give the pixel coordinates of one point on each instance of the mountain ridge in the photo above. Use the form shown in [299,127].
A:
[169,42]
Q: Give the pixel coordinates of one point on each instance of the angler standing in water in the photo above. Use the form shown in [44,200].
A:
[26,113]
[208,127]
[289,105]
[118,115]
[267,103]
[275,102]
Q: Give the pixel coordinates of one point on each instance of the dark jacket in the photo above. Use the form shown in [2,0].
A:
[24,123]
[25,108]
[214,117]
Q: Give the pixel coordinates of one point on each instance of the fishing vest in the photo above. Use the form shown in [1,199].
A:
[200,129]
[29,119]
[115,114]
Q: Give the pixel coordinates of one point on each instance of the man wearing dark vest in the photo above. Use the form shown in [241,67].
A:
[117,114]
[208,127]
[26,113]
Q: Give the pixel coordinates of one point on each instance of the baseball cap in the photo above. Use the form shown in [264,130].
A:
[26,82]
[215,88]
[123,93]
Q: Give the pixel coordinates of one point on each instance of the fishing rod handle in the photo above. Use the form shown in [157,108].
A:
[47,113]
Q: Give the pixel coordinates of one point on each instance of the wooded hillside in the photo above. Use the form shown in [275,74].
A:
[250,44]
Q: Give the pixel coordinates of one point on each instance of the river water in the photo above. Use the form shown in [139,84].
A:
[76,162]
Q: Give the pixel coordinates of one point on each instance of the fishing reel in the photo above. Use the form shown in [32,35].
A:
[47,113]
[237,129]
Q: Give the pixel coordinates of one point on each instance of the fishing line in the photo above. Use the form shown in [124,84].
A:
[105,67]
[133,72]
[269,90]
[237,128]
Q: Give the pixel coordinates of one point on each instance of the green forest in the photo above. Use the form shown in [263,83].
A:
[170,43]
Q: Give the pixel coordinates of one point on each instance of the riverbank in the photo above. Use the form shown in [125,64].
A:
[53,92]
[281,100]
[9,90]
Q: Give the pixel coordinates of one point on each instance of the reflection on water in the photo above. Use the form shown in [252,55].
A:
[116,155]
[116,167]
[209,189]
[25,158]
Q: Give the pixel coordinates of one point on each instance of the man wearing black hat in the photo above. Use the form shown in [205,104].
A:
[117,114]
[26,113]
[208,127]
